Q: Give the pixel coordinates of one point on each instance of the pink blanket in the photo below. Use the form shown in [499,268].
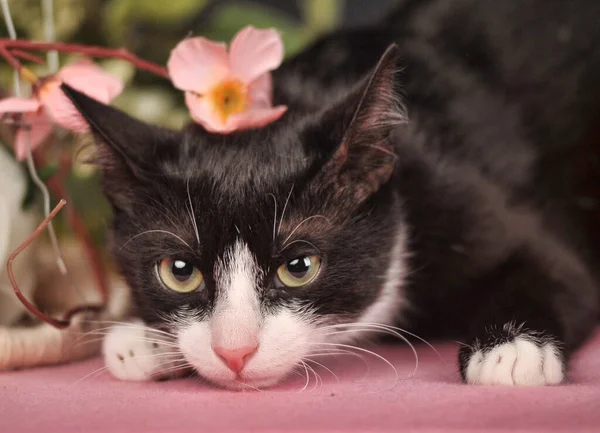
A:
[62,399]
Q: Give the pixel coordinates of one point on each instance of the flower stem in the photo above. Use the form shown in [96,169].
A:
[27,56]
[92,51]
[60,324]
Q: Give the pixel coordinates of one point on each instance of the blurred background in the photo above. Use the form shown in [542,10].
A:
[150,29]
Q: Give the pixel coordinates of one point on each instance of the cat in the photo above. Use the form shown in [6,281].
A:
[423,177]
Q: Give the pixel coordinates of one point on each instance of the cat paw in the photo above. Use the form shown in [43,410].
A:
[521,359]
[135,352]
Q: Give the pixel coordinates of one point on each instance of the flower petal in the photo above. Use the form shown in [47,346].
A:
[254,52]
[91,79]
[41,127]
[203,113]
[19,105]
[198,64]
[260,91]
[88,78]
[60,108]
[255,118]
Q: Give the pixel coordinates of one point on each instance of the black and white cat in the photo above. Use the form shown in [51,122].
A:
[426,184]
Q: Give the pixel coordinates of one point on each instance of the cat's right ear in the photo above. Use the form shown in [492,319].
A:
[124,143]
[127,150]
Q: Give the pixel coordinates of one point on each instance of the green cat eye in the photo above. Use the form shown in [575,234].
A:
[179,275]
[299,271]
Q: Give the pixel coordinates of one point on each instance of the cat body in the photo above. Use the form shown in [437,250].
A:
[426,185]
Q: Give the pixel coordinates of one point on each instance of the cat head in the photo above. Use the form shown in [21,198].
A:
[261,247]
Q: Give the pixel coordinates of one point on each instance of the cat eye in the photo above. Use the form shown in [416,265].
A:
[179,275]
[299,271]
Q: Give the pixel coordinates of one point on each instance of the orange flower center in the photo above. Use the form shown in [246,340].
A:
[229,97]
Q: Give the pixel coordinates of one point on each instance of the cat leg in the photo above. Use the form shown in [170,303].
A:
[136,352]
[536,316]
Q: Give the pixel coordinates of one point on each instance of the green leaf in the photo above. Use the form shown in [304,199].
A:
[87,198]
[47,172]
[68,17]
[120,12]
[322,15]
[230,18]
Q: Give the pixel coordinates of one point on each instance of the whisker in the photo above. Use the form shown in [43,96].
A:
[157,343]
[304,241]
[100,370]
[307,376]
[397,377]
[317,377]
[99,340]
[161,354]
[460,343]
[298,226]
[249,386]
[171,369]
[387,331]
[133,325]
[322,366]
[157,231]
[395,328]
[284,208]
[275,216]
[103,334]
[342,352]
[391,333]
[192,215]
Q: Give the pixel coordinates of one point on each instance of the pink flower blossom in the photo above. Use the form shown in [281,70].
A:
[49,105]
[229,91]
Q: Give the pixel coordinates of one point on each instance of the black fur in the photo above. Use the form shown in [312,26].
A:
[499,96]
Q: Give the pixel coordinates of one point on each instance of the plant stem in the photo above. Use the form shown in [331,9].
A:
[56,323]
[92,51]
[60,324]
[27,56]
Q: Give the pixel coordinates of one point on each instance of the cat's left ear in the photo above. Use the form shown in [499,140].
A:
[364,158]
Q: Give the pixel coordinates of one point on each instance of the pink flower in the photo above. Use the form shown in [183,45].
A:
[229,91]
[49,105]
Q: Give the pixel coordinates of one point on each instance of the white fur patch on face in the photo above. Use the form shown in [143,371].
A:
[281,338]
[521,362]
[236,317]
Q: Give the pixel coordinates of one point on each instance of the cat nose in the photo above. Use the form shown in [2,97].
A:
[235,359]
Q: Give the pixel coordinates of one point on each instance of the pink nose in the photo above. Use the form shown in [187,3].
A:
[235,359]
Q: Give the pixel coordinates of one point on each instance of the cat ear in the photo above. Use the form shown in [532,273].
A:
[364,159]
[127,149]
[123,142]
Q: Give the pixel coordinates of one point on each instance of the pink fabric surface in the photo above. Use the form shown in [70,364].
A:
[63,399]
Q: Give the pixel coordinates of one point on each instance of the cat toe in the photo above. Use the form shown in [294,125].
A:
[524,361]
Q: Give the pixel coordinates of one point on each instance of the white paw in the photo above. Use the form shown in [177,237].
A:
[135,352]
[521,362]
